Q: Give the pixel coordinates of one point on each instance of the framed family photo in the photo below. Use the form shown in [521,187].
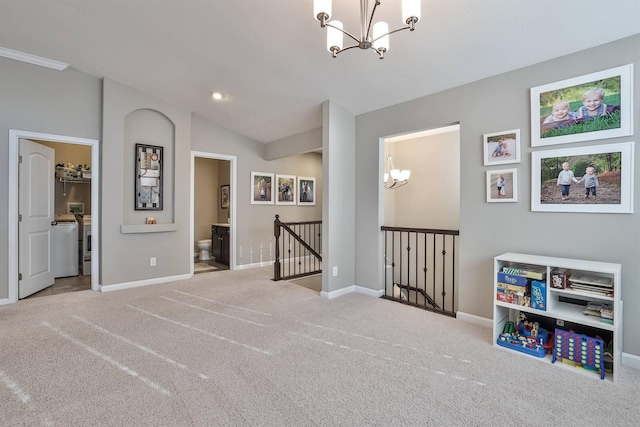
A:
[501,147]
[149,161]
[286,189]
[261,188]
[589,107]
[306,191]
[502,186]
[597,178]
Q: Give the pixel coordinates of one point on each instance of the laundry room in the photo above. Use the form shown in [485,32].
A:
[71,233]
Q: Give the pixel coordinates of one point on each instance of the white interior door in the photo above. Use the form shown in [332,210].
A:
[36,207]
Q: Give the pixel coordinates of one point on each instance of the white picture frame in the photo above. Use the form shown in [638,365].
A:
[262,188]
[505,193]
[615,123]
[285,189]
[306,191]
[617,171]
[501,148]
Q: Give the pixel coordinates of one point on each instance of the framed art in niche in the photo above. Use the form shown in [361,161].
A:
[148,194]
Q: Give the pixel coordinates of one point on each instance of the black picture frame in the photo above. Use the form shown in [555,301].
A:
[148,177]
[225,196]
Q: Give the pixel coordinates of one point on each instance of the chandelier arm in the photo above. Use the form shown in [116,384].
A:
[346,48]
[408,27]
[373,12]
[328,24]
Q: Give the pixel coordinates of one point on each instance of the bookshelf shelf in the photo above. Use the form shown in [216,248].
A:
[564,306]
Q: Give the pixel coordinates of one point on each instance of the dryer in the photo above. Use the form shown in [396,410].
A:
[65,246]
[86,245]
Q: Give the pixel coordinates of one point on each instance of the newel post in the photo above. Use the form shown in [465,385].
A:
[276,234]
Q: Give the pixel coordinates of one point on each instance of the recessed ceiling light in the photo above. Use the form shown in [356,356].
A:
[218,96]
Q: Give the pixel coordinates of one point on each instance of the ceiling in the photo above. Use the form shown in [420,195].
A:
[269,56]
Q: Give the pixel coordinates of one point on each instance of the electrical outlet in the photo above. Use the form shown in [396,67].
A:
[335,270]
[152,261]
[559,322]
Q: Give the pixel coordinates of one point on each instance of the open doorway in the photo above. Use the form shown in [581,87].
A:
[213,202]
[16,218]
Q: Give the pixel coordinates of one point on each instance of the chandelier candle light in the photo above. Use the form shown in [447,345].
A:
[398,177]
[378,39]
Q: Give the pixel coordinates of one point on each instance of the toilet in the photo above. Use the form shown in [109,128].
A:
[205,248]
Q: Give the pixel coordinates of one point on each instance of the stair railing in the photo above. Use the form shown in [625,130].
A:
[420,267]
[297,249]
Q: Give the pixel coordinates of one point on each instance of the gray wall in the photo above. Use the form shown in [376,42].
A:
[300,143]
[42,100]
[492,105]
[338,213]
[254,242]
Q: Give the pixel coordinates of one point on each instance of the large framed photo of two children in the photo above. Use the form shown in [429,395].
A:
[585,108]
[596,178]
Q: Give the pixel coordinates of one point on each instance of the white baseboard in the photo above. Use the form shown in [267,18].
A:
[630,360]
[4,301]
[147,282]
[369,292]
[254,265]
[472,318]
[338,293]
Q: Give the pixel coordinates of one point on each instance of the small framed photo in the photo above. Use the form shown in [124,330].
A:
[148,192]
[596,178]
[501,147]
[261,188]
[286,189]
[224,196]
[502,186]
[585,108]
[306,191]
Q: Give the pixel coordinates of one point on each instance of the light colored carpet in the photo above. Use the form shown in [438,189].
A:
[235,348]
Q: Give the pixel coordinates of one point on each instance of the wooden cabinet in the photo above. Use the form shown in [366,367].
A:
[220,243]
[563,306]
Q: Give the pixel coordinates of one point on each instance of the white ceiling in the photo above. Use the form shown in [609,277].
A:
[269,56]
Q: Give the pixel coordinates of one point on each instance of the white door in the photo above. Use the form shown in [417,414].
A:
[36,207]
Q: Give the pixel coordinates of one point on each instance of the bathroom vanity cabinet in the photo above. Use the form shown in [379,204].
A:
[220,243]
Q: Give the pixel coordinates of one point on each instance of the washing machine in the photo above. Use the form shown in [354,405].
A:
[64,236]
[86,245]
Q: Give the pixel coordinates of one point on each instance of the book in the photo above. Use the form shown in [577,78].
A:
[526,270]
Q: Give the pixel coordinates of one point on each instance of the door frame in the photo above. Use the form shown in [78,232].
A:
[14,192]
[232,195]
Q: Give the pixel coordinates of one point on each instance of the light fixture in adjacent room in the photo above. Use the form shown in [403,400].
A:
[394,178]
[374,37]
[33,59]
[218,96]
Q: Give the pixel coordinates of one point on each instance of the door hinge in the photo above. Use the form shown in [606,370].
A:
[19,217]
[19,276]
[19,159]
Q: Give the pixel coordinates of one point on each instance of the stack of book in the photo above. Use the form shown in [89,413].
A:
[602,311]
[592,284]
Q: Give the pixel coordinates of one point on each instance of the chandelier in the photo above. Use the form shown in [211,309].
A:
[394,178]
[376,38]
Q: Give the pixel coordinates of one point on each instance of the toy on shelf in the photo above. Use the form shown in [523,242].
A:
[527,337]
[580,349]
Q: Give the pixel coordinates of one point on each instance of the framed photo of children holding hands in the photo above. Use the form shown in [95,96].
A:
[500,148]
[596,178]
[589,107]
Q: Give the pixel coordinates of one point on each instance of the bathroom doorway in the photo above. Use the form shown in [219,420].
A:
[213,185]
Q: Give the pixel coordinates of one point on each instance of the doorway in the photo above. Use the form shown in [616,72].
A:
[213,202]
[15,191]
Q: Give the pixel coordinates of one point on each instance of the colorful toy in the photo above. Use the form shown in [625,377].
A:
[580,349]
